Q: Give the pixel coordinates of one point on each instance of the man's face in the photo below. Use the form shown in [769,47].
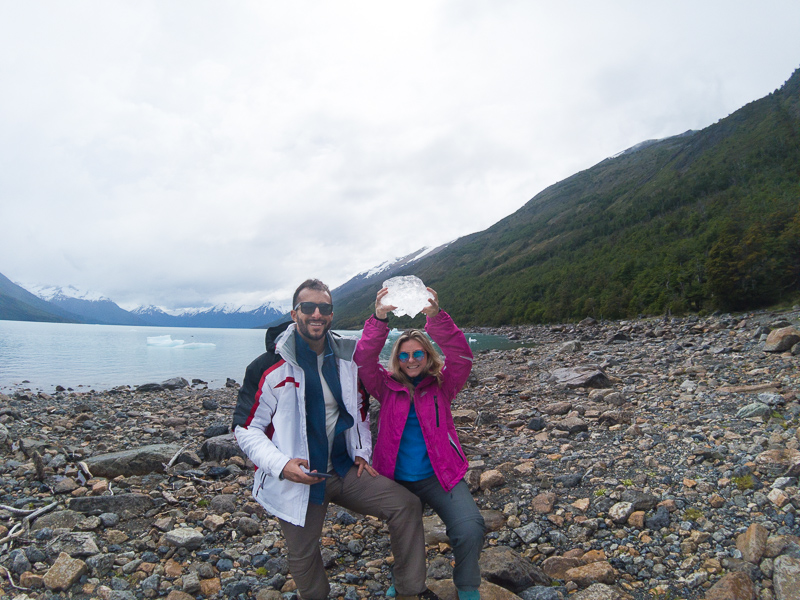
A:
[312,328]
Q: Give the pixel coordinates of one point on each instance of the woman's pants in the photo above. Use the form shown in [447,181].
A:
[463,522]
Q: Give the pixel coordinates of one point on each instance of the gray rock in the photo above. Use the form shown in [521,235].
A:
[75,544]
[191,582]
[63,519]
[100,564]
[640,500]
[504,567]
[781,340]
[220,448]
[223,503]
[184,537]
[124,505]
[440,568]
[581,376]
[216,430]
[248,527]
[786,578]
[176,383]
[136,461]
[755,409]
[529,533]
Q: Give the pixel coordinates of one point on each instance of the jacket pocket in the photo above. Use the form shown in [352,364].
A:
[454,446]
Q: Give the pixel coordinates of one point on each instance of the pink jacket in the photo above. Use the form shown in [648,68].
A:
[431,398]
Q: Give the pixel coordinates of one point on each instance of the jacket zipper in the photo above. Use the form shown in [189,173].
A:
[436,403]
[263,481]
[453,444]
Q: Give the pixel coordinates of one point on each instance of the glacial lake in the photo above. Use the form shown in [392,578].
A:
[100,357]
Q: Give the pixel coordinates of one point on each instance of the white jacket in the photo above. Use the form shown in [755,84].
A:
[275,430]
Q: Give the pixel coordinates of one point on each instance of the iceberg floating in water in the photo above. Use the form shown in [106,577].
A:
[166,341]
[408,294]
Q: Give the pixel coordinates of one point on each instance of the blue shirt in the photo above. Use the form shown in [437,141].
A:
[413,463]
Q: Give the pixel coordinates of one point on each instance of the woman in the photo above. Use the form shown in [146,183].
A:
[417,442]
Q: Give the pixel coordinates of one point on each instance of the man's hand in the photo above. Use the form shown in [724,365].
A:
[382,310]
[363,464]
[433,304]
[293,471]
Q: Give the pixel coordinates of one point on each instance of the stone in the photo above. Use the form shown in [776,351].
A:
[754,409]
[781,340]
[62,519]
[557,408]
[491,479]
[786,577]
[581,376]
[732,586]
[220,448]
[504,567]
[529,533]
[752,543]
[445,589]
[176,383]
[586,575]
[184,537]
[135,461]
[557,566]
[543,503]
[600,591]
[124,505]
[223,503]
[65,572]
[73,544]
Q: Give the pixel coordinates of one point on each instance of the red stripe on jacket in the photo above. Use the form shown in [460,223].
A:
[258,393]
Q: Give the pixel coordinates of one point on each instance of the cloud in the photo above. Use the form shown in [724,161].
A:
[191,152]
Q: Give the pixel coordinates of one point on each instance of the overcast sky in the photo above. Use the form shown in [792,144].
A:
[186,152]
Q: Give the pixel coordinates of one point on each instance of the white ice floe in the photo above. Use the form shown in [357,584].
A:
[166,341]
[408,294]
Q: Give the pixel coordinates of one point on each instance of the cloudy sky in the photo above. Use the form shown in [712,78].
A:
[191,152]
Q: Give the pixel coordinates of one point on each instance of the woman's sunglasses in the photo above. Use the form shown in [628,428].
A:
[308,308]
[404,356]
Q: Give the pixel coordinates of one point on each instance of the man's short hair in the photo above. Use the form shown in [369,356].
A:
[310,284]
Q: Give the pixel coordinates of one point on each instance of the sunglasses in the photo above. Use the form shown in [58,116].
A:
[308,308]
[404,356]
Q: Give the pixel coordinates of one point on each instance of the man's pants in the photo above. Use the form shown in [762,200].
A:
[376,496]
[463,522]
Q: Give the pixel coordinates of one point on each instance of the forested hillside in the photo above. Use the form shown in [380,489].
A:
[701,221]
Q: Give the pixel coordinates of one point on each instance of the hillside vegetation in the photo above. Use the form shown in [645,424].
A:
[701,221]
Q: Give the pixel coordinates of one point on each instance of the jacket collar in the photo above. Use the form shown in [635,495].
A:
[343,348]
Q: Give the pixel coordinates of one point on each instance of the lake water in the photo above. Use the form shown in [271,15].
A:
[101,357]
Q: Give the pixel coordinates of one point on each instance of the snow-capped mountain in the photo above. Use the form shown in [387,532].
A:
[383,271]
[221,315]
[92,307]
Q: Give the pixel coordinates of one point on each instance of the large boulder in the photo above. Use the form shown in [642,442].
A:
[781,340]
[445,589]
[581,376]
[125,505]
[504,567]
[136,461]
[220,448]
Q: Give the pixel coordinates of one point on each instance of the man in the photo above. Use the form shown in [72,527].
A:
[304,423]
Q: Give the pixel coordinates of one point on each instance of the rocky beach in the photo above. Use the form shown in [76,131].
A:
[643,459]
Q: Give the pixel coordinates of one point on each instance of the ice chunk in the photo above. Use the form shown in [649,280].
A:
[408,294]
[166,341]
[163,341]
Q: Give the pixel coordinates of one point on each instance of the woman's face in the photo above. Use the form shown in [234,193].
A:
[414,366]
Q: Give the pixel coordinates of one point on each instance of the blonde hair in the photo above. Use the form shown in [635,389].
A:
[434,365]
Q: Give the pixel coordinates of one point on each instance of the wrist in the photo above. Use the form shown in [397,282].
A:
[385,318]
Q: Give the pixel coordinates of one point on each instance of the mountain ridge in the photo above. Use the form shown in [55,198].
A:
[702,220]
